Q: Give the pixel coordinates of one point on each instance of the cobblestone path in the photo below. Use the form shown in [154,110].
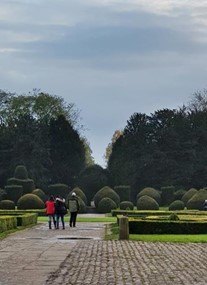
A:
[140,263]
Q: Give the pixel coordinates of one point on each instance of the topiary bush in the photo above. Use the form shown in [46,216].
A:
[167,195]
[196,202]
[151,192]
[14,192]
[174,217]
[40,193]
[179,194]
[188,195]
[58,189]
[147,203]
[124,192]
[79,193]
[126,205]
[27,184]
[106,205]
[106,192]
[177,205]
[20,172]
[3,194]
[30,201]
[83,208]
[7,205]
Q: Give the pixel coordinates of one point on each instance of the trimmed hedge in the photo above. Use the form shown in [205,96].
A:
[176,205]
[167,227]
[26,219]
[106,192]
[151,192]
[106,205]
[124,192]
[30,201]
[147,203]
[58,189]
[167,194]
[126,205]
[27,184]
[40,193]
[7,223]
[14,192]
[188,195]
[196,202]
[7,205]
[20,172]
[40,212]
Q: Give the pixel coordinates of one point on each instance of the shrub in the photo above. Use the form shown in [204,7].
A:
[21,172]
[91,179]
[3,194]
[7,205]
[179,194]
[40,193]
[167,194]
[27,184]
[58,189]
[106,205]
[30,201]
[188,195]
[176,205]
[147,203]
[82,204]
[196,202]
[124,192]
[151,192]
[14,192]
[174,217]
[106,192]
[79,193]
[126,205]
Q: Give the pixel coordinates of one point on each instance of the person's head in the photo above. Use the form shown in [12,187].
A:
[51,198]
[73,194]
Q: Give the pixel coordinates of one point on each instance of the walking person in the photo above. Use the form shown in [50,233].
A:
[73,205]
[50,210]
[60,211]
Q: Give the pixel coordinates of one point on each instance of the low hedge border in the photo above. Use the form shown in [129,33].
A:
[167,227]
[7,223]
[27,219]
[40,212]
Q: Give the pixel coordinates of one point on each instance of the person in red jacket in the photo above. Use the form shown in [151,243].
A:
[50,209]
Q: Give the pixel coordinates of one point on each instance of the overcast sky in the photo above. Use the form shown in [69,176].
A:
[111,57]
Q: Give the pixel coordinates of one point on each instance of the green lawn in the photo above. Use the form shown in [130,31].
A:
[85,219]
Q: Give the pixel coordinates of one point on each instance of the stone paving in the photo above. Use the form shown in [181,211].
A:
[80,256]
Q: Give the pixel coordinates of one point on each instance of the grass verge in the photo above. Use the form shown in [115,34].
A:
[85,219]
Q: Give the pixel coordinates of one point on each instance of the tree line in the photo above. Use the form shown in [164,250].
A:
[167,147]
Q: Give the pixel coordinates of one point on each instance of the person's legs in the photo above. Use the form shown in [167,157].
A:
[54,221]
[71,219]
[57,221]
[74,218]
[63,222]
[50,221]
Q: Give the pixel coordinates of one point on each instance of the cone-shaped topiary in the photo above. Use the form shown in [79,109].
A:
[188,195]
[7,205]
[147,203]
[79,193]
[21,172]
[176,205]
[40,193]
[106,192]
[196,202]
[126,205]
[30,201]
[106,205]
[151,192]
[179,194]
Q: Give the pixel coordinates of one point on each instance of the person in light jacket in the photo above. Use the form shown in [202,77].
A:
[73,205]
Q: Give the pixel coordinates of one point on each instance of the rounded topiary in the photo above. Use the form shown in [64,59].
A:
[179,194]
[40,193]
[196,202]
[30,201]
[106,205]
[7,205]
[106,192]
[3,194]
[151,192]
[188,195]
[126,205]
[147,203]
[21,172]
[177,205]
[79,193]
[82,205]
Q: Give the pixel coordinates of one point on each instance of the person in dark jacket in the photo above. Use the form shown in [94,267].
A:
[73,205]
[60,211]
[50,210]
